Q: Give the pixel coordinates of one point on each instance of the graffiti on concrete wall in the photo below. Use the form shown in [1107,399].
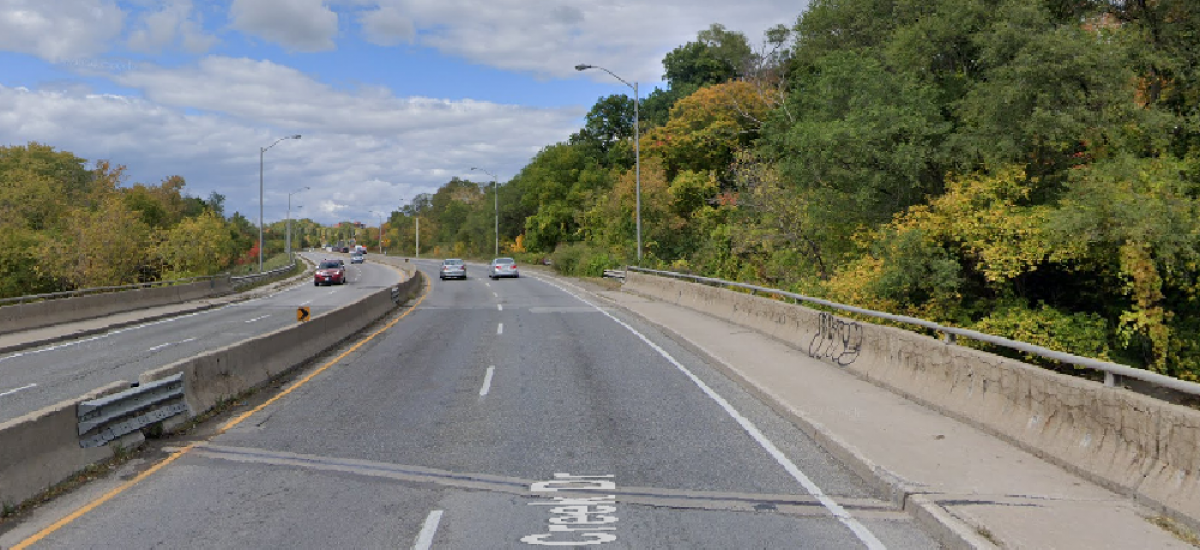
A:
[838,340]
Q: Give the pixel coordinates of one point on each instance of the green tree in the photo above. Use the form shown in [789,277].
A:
[196,246]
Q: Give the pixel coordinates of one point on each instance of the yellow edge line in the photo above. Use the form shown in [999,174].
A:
[175,456]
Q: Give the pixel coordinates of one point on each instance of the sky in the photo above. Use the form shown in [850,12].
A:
[391,98]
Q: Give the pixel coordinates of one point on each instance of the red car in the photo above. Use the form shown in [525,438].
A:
[330,272]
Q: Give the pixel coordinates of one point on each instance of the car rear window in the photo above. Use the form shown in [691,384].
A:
[454,262]
[330,265]
[505,261]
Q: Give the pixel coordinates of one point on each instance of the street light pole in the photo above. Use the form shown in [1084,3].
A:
[262,151]
[289,223]
[496,195]
[637,148]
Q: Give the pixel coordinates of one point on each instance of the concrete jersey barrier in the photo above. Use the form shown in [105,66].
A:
[1133,444]
[42,448]
[46,313]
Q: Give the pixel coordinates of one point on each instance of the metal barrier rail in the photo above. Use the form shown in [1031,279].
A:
[1111,370]
[96,290]
[107,418]
[247,279]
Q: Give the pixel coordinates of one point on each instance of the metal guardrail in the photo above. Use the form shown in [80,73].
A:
[255,277]
[105,419]
[1111,370]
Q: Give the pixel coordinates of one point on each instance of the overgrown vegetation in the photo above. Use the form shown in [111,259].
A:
[1028,169]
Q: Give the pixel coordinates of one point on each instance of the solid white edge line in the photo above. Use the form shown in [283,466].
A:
[10,392]
[834,508]
[425,537]
[487,381]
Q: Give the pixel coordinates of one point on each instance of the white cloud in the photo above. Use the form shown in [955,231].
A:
[549,38]
[173,21]
[386,26]
[283,97]
[298,25]
[352,164]
[61,30]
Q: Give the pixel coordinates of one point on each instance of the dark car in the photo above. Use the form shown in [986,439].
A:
[330,272]
[453,268]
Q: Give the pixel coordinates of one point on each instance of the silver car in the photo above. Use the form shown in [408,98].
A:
[453,268]
[503,267]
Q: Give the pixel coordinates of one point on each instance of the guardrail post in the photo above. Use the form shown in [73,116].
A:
[949,338]
[1110,380]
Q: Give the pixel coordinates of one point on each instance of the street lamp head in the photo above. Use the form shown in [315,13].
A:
[582,67]
[297,136]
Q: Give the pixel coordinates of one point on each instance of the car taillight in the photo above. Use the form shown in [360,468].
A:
[512,267]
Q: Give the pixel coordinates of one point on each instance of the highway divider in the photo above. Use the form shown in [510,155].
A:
[43,448]
[15,317]
[1133,444]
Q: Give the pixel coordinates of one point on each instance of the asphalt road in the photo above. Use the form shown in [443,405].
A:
[39,377]
[456,428]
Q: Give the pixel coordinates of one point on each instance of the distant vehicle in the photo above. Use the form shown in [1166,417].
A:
[453,268]
[503,267]
[356,258]
[330,272]
[345,250]
[360,249]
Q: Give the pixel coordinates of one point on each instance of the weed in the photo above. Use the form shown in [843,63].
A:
[1175,528]
[987,534]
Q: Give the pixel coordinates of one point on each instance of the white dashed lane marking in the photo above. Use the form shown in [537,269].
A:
[10,392]
[487,381]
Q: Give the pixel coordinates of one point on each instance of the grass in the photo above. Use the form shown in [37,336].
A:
[1175,528]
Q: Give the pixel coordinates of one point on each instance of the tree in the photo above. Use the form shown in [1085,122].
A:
[103,246]
[707,127]
[196,246]
[716,56]
[609,122]
[863,138]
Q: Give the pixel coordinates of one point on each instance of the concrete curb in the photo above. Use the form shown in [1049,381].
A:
[949,531]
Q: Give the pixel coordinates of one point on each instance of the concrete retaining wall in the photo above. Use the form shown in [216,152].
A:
[1133,444]
[16,317]
[42,448]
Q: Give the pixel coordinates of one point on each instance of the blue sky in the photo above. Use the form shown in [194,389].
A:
[392,97]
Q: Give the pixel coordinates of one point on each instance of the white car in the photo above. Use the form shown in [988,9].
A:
[453,268]
[503,267]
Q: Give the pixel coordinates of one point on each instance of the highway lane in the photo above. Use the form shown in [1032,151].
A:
[453,430]
[39,377]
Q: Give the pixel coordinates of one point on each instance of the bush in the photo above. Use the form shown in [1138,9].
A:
[581,260]
[1083,334]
